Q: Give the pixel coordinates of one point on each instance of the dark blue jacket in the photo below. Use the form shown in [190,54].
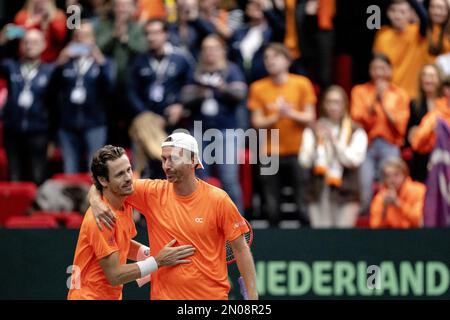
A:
[142,76]
[226,116]
[37,118]
[98,81]
[197,31]
[257,69]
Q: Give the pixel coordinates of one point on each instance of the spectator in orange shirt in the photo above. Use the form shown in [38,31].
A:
[423,137]
[382,109]
[43,15]
[284,102]
[99,267]
[399,203]
[403,43]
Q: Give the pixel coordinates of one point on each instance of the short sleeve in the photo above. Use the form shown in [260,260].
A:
[140,197]
[103,241]
[254,101]
[133,230]
[310,94]
[230,220]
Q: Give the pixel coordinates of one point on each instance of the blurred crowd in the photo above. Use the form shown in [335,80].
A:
[133,71]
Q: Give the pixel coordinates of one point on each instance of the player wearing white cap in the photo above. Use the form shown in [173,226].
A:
[194,212]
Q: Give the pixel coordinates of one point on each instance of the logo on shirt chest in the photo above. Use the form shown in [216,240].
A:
[198,220]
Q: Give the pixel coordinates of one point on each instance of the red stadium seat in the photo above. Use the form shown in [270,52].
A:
[363,222]
[71,220]
[74,221]
[343,69]
[1,135]
[76,178]
[245,177]
[3,165]
[15,199]
[31,222]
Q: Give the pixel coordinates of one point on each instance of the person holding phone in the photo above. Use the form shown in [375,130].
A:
[83,82]
[45,16]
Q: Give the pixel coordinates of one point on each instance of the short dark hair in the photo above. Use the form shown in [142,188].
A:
[163,22]
[382,57]
[99,166]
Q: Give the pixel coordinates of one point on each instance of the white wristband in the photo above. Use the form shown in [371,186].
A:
[147,266]
[143,253]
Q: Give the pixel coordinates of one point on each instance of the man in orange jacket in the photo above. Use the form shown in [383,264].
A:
[399,203]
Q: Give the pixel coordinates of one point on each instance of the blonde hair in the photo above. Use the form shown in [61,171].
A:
[339,90]
[397,163]
[421,96]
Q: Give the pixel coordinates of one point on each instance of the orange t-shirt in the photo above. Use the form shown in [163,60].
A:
[405,50]
[291,37]
[409,215]
[94,245]
[424,139]
[204,219]
[296,91]
[377,125]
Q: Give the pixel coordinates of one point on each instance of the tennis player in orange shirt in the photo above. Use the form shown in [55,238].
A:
[99,267]
[192,211]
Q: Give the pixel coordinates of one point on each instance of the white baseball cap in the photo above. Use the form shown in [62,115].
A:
[184,141]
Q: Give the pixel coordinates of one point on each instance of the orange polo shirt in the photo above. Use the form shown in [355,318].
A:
[94,245]
[395,100]
[424,139]
[405,50]
[296,91]
[204,219]
[408,215]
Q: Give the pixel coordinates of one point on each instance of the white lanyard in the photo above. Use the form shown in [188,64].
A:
[82,66]
[29,72]
[160,67]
